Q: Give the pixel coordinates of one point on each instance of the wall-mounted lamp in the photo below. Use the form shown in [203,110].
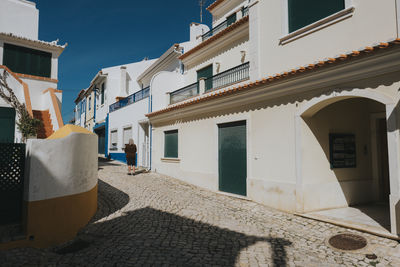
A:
[218,65]
[243,53]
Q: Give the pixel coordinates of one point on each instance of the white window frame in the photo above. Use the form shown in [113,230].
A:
[171,160]
[113,147]
[123,133]
[287,37]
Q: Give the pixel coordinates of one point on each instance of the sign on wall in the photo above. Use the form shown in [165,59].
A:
[342,150]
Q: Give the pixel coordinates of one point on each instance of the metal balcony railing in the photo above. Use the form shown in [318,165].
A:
[184,93]
[226,78]
[245,11]
[130,99]
[224,25]
[231,76]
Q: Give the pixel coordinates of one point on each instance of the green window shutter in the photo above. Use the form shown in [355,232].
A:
[207,73]
[231,19]
[171,144]
[305,12]
[27,61]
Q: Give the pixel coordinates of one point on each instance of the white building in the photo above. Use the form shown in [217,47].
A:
[315,128]
[33,68]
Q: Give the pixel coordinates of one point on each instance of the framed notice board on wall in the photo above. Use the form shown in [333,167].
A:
[342,150]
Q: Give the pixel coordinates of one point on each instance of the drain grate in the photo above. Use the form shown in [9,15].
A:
[348,241]
[75,246]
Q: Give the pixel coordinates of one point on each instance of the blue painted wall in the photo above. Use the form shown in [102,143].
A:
[121,157]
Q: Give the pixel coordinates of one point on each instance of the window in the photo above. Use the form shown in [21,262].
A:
[231,19]
[305,12]
[127,135]
[102,93]
[171,144]
[206,73]
[114,139]
[27,61]
[90,102]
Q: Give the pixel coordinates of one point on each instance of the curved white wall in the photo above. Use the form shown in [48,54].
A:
[61,167]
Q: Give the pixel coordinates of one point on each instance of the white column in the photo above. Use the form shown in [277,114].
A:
[202,86]
[167,99]
[1,52]
[54,67]
[254,40]
[394,170]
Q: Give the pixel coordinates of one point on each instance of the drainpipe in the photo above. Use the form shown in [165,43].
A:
[106,137]
[397,5]
[85,111]
[94,106]
[151,127]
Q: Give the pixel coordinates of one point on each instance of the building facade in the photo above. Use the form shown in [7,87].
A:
[32,67]
[314,128]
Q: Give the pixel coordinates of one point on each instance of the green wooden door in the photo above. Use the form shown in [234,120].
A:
[7,125]
[101,141]
[232,157]
[207,73]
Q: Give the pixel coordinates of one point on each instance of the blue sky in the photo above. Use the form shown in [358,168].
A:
[103,33]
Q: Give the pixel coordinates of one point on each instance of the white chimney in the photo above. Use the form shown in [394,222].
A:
[123,91]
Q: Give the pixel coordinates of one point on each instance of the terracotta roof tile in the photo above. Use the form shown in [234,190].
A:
[213,5]
[271,79]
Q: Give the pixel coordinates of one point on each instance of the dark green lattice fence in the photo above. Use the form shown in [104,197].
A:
[12,166]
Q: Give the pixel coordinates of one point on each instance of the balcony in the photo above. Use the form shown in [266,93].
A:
[234,75]
[229,21]
[184,93]
[133,98]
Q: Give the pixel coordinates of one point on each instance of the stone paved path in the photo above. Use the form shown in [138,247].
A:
[153,220]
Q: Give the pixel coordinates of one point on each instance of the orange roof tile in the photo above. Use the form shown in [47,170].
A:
[213,5]
[270,79]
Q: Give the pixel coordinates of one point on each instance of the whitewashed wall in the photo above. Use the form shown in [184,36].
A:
[73,167]
[371,22]
[113,85]
[161,84]
[129,116]
[19,17]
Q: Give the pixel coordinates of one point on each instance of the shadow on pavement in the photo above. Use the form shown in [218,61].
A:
[150,236]
[106,162]
[110,200]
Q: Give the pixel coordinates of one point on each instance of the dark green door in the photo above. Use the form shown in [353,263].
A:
[102,141]
[232,157]
[207,73]
[7,125]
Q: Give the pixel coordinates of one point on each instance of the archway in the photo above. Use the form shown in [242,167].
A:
[343,153]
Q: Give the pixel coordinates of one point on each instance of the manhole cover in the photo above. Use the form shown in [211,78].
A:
[73,247]
[347,241]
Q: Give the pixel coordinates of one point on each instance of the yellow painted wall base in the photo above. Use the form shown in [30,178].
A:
[55,221]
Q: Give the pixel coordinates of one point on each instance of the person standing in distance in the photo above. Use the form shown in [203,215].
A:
[130,153]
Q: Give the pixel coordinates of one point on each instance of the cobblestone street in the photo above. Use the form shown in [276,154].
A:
[150,219]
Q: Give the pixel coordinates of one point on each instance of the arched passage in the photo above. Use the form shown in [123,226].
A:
[343,156]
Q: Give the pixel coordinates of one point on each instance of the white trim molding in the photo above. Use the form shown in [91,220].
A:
[313,27]
[171,160]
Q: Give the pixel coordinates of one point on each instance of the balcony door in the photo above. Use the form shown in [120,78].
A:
[206,73]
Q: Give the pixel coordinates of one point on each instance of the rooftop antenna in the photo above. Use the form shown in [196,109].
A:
[201,4]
